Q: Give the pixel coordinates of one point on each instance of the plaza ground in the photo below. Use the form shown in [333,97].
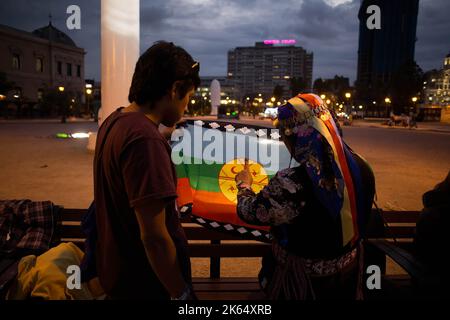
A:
[36,165]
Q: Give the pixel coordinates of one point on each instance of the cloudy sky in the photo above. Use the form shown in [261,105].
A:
[209,28]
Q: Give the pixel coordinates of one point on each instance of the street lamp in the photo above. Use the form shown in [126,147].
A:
[61,88]
[387,101]
[348,95]
[272,99]
[88,93]
[414,99]
[193,101]
[322,96]
[328,101]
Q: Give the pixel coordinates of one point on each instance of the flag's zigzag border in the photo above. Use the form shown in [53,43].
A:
[244,232]
[237,154]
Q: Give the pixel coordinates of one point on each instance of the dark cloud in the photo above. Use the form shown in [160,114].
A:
[209,28]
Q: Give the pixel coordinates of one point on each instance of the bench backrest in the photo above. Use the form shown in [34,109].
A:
[213,244]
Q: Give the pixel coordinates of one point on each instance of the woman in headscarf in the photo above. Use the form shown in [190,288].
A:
[317,210]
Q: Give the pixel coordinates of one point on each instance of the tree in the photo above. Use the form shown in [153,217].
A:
[319,86]
[55,102]
[405,83]
[278,92]
[297,85]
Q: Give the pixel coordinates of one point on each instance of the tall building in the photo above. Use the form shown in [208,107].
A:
[258,69]
[383,51]
[46,58]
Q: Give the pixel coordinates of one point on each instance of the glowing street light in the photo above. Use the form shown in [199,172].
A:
[272,99]
[89,91]
[193,101]
[387,100]
[328,101]
[61,88]
[348,95]
[322,96]
[414,99]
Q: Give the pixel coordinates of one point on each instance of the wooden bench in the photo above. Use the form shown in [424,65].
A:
[203,243]
[395,239]
[390,234]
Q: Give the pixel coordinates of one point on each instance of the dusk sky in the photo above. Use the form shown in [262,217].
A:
[209,28]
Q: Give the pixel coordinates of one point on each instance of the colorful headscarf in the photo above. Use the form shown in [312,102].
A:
[328,161]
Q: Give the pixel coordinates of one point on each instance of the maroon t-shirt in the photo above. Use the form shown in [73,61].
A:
[132,167]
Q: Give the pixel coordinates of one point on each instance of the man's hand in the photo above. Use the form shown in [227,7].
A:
[244,177]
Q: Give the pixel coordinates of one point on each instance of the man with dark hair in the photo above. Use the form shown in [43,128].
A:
[142,249]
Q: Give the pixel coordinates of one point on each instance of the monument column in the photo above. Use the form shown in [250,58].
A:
[119,53]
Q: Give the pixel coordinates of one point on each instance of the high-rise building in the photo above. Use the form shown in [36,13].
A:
[259,69]
[383,51]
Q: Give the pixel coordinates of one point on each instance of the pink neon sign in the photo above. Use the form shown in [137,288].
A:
[276,41]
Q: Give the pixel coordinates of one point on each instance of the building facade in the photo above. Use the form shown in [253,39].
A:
[45,59]
[381,52]
[259,69]
[436,93]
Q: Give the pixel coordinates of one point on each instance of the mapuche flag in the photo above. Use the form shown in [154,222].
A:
[207,157]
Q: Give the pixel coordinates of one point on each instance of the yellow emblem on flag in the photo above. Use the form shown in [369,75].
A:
[230,169]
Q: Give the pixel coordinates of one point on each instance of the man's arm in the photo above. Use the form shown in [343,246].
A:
[159,246]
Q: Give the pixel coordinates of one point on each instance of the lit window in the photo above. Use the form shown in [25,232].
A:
[39,65]
[16,61]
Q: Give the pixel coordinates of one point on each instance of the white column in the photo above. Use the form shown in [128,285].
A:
[119,51]
[215,96]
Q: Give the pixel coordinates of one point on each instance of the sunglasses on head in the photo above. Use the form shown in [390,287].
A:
[195,67]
